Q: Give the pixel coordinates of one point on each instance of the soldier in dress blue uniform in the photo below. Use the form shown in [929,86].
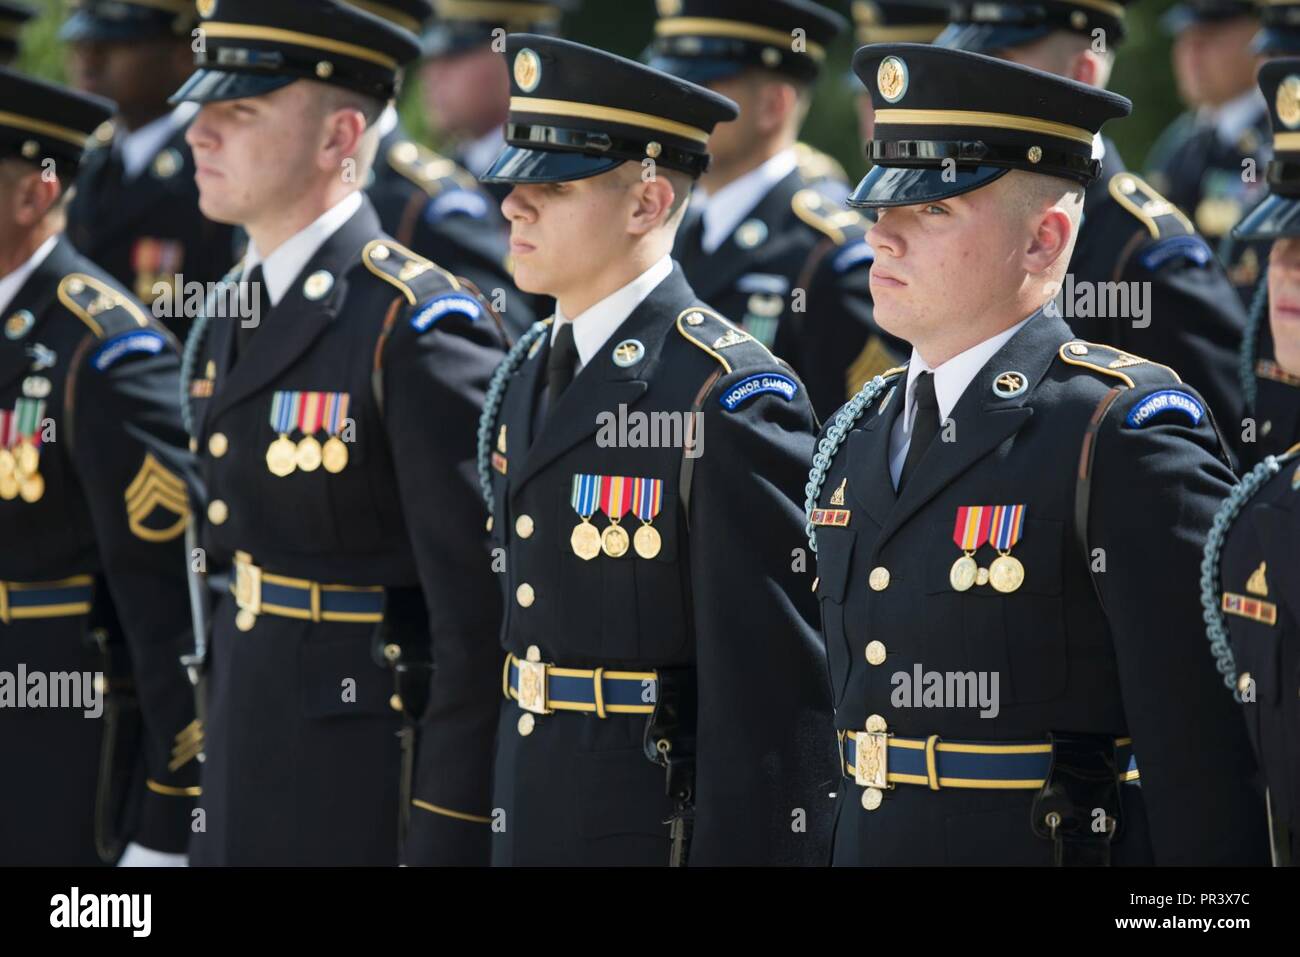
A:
[436,207]
[662,674]
[1007,528]
[13,17]
[93,505]
[771,245]
[335,429]
[1251,578]
[136,209]
[1130,234]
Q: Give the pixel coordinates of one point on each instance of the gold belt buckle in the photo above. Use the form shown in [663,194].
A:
[532,686]
[248,584]
[4,603]
[871,764]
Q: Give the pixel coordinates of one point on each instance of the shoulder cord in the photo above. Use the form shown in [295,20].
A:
[1250,341]
[492,404]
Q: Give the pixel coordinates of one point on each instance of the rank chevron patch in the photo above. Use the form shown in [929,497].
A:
[158,494]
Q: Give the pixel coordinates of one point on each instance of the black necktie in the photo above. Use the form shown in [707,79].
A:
[253,290]
[560,365]
[925,426]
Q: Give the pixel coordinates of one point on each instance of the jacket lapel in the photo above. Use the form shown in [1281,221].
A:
[602,386]
[36,296]
[983,420]
[870,485]
[296,322]
[136,197]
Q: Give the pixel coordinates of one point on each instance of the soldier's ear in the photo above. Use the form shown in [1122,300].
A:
[35,194]
[1052,238]
[654,203]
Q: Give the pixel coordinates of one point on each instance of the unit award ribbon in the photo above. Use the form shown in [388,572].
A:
[284,413]
[585,538]
[1006,574]
[615,500]
[647,499]
[970,531]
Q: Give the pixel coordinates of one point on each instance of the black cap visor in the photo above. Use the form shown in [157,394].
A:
[518,164]
[1275,217]
[908,186]
[211,86]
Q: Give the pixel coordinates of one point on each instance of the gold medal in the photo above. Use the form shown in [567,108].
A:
[982,577]
[647,542]
[1006,574]
[8,488]
[7,462]
[334,455]
[614,541]
[33,488]
[963,573]
[585,541]
[280,456]
[27,459]
[308,456]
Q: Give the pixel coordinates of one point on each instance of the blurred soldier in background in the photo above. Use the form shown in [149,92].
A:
[437,208]
[1141,278]
[136,208]
[765,242]
[13,16]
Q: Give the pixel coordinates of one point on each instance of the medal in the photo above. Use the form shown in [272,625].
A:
[615,500]
[585,538]
[280,456]
[27,459]
[8,488]
[6,462]
[647,500]
[32,488]
[334,455]
[308,454]
[281,453]
[1006,574]
[969,531]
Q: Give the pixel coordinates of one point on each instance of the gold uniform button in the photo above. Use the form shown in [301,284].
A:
[218,512]
[879,579]
[489,523]
[876,652]
[218,444]
[392,652]
[525,595]
[871,798]
[524,526]
[876,724]
[245,620]
[526,723]
[194,445]
[395,702]
[1243,681]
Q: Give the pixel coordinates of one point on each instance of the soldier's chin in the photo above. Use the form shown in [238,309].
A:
[217,210]
[530,280]
[893,317]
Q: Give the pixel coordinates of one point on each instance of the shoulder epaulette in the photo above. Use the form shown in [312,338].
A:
[432,172]
[814,165]
[416,277]
[838,224]
[1133,371]
[730,345]
[104,309]
[1161,217]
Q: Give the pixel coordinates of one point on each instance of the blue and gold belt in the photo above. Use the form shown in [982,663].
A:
[259,592]
[65,598]
[880,760]
[542,688]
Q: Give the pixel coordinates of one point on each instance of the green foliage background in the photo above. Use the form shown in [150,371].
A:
[1142,72]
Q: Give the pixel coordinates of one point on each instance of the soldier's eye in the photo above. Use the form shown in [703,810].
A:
[932,209]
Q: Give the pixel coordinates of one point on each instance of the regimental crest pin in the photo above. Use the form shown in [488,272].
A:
[837,497]
[1257,583]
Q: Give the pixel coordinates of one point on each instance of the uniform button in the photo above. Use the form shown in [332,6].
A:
[194,445]
[217,444]
[218,512]
[245,620]
[871,798]
[395,702]
[525,595]
[879,579]
[1078,349]
[524,526]
[1267,427]
[1243,681]
[876,652]
[526,723]
[489,523]
[392,652]
[876,724]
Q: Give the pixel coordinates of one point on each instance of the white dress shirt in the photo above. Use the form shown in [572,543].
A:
[280,269]
[951,379]
[387,121]
[1234,117]
[138,148]
[726,209]
[11,283]
[593,327]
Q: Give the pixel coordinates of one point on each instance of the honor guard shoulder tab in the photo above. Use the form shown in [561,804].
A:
[1134,371]
[106,310]
[1161,217]
[417,278]
[839,225]
[731,346]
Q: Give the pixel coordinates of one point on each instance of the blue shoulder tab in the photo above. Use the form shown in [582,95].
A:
[128,343]
[853,254]
[1158,403]
[460,303]
[458,202]
[1191,249]
[758,384]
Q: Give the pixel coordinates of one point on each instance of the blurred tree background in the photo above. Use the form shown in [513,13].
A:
[1142,71]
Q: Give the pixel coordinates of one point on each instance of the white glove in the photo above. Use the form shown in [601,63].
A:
[137,856]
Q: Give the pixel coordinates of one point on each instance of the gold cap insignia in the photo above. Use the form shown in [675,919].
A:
[891,78]
[528,70]
[1288,101]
